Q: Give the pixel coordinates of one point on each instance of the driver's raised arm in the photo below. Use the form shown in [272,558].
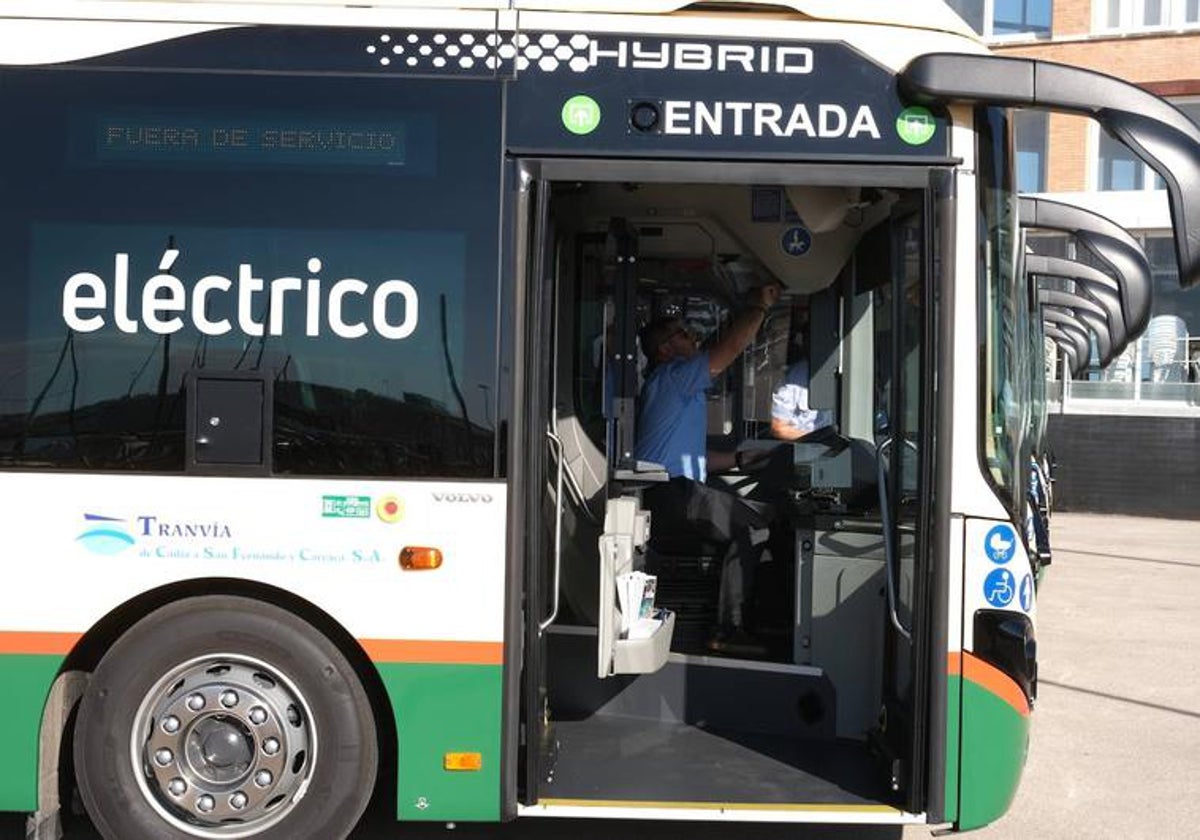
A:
[743,329]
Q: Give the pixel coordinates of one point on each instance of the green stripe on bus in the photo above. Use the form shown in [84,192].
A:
[953,733]
[995,741]
[26,681]
[440,709]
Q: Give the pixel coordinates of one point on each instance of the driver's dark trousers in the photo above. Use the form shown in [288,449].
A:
[712,514]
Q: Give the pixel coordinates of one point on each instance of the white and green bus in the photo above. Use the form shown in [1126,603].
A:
[1089,283]
[318,408]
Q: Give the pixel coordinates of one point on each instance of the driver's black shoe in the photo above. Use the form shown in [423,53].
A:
[737,642]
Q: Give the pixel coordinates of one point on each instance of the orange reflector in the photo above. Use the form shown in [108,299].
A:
[413,558]
[463,761]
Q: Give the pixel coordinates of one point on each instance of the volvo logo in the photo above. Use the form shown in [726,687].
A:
[478,498]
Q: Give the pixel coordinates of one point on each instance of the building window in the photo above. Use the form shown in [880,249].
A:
[1190,107]
[1132,15]
[1120,169]
[1167,345]
[1017,17]
[1006,18]
[1031,134]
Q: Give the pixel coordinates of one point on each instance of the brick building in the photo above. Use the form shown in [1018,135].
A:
[1124,433]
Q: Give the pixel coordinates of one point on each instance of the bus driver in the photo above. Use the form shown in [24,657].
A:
[672,426]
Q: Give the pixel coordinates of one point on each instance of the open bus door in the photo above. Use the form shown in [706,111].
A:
[906,310]
[835,711]
[556,450]
[538,452]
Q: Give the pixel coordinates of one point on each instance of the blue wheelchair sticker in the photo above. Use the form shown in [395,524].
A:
[1000,587]
[1026,593]
[1000,544]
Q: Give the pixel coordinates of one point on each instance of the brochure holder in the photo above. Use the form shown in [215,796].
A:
[646,655]
[633,637]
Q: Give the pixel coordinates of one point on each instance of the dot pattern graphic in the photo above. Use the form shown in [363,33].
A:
[547,52]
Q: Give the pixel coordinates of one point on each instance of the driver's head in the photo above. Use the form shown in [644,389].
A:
[664,339]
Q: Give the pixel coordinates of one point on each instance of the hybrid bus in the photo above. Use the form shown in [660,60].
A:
[318,404]
[1104,295]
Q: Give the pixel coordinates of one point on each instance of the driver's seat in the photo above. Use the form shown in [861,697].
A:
[688,560]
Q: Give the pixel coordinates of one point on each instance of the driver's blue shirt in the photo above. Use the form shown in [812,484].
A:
[672,419]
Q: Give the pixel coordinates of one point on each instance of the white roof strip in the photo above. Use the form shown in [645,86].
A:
[918,14]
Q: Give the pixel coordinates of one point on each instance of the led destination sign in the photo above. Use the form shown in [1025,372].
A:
[148,137]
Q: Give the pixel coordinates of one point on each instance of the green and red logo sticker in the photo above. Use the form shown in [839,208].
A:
[387,508]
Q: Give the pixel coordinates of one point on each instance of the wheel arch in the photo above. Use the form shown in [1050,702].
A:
[55,763]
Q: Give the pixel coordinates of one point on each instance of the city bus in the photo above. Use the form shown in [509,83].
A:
[1086,272]
[319,390]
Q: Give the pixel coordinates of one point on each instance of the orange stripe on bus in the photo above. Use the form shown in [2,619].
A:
[21,642]
[458,653]
[988,677]
[379,650]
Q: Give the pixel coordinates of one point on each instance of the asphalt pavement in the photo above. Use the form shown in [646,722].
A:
[1115,748]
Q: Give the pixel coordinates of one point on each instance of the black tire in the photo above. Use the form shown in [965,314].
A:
[233,699]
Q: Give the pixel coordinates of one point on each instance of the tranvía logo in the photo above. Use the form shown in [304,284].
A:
[104,534]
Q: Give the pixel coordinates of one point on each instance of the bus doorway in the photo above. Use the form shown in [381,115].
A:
[628,702]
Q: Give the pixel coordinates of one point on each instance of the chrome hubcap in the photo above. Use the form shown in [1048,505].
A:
[223,746]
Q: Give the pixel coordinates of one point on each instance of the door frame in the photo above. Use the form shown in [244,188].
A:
[525,250]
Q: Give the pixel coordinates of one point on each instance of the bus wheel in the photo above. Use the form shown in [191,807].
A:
[223,717]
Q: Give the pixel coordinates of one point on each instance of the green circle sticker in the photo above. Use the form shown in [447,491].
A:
[581,114]
[916,125]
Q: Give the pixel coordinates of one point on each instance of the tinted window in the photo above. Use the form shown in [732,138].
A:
[1004,314]
[337,234]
